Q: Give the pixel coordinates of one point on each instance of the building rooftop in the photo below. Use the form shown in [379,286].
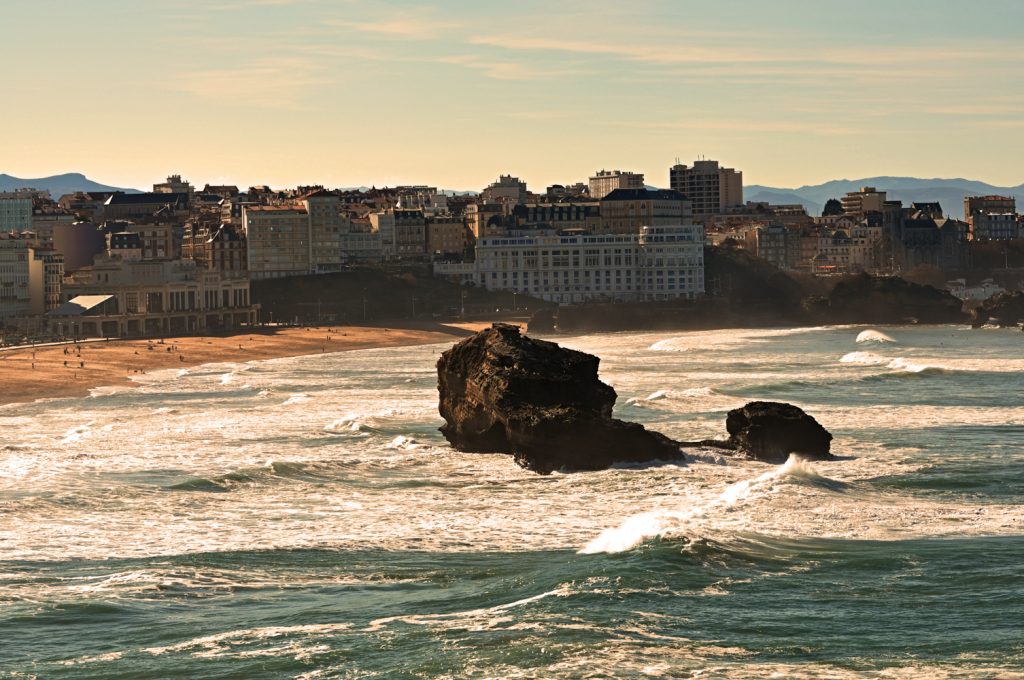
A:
[80,305]
[644,195]
[146,198]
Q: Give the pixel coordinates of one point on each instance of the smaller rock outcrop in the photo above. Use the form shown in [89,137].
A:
[769,431]
[1004,309]
[884,300]
[502,392]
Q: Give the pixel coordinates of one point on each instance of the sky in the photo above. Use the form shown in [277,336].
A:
[452,94]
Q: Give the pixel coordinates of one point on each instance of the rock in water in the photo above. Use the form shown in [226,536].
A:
[1006,309]
[770,431]
[503,392]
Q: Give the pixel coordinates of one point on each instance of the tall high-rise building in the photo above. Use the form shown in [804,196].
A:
[607,181]
[708,187]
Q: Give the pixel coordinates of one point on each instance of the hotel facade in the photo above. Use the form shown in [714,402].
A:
[656,263]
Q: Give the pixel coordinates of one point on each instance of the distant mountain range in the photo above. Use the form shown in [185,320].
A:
[948,192]
[58,185]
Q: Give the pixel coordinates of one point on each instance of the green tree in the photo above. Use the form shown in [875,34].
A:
[833,207]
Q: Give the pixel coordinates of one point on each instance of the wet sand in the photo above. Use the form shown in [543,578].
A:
[27,374]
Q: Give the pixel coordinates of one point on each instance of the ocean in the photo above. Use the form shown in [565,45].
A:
[303,518]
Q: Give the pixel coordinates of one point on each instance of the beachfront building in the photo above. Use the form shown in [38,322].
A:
[279,239]
[45,278]
[30,277]
[15,298]
[654,263]
[137,297]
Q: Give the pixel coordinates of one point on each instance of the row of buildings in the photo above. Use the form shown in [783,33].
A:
[873,234]
[182,258]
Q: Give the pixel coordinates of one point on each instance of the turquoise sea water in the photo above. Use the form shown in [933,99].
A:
[302,518]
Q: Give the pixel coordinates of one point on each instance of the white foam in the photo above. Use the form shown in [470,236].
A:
[873,336]
[403,442]
[904,366]
[638,528]
[863,359]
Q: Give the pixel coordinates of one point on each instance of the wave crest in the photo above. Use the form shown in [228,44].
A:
[873,336]
[666,523]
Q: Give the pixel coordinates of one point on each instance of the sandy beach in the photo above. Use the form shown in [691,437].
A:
[70,370]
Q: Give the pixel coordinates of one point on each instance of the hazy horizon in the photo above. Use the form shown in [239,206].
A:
[288,92]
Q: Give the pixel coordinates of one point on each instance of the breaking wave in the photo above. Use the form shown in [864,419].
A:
[668,523]
[873,336]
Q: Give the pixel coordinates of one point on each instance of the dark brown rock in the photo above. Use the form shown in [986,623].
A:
[503,392]
[769,431]
[542,321]
[1003,309]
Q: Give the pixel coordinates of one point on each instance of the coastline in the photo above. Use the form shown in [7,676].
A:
[47,372]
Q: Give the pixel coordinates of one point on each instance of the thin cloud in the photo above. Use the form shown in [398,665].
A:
[278,84]
[408,28]
[662,54]
[505,70]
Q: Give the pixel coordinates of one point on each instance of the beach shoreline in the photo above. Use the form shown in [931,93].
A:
[28,374]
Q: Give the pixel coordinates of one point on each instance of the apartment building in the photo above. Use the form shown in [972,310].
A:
[446,236]
[15,296]
[507,189]
[709,188]
[625,211]
[603,182]
[992,218]
[45,279]
[279,240]
[867,200]
[15,211]
[220,248]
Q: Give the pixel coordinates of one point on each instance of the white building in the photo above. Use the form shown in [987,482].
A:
[657,263]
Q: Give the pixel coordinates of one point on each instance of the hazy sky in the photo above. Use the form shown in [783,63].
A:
[346,92]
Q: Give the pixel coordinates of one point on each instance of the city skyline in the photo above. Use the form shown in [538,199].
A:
[289,92]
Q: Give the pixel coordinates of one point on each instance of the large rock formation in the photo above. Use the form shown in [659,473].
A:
[885,299]
[1005,309]
[503,392]
[770,431]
